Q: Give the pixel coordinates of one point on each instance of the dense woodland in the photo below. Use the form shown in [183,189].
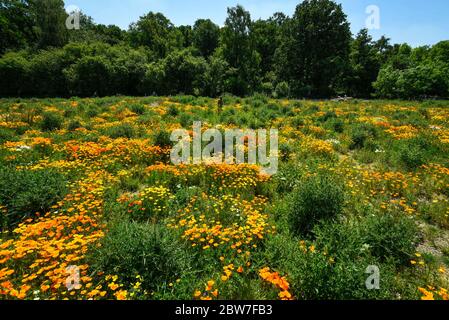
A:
[311,54]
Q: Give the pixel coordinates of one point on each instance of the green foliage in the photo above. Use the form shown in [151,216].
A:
[89,76]
[391,238]
[316,199]
[365,65]
[287,178]
[151,251]
[361,134]
[315,48]
[46,73]
[155,32]
[162,139]
[6,135]
[415,152]
[121,131]
[51,121]
[24,193]
[206,35]
[16,25]
[282,90]
[14,71]
[415,74]
[180,71]
[412,156]
[310,54]
[137,109]
[238,51]
[313,276]
[73,125]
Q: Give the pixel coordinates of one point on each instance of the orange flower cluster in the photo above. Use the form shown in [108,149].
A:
[431,293]
[280,282]
[125,150]
[45,248]
[403,132]
[209,292]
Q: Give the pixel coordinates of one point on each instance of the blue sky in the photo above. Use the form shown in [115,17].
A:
[418,22]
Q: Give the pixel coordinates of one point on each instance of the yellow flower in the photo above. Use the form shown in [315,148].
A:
[210,285]
[121,295]
[197,294]
[113,286]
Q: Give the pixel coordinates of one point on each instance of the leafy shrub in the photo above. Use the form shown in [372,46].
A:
[285,151]
[51,121]
[121,131]
[361,134]
[93,111]
[314,276]
[412,156]
[185,195]
[342,239]
[329,115]
[138,109]
[185,120]
[90,76]
[318,198]
[162,139]
[6,135]
[24,193]
[14,70]
[151,251]
[173,111]
[338,125]
[282,90]
[73,125]
[391,238]
[287,177]
[415,152]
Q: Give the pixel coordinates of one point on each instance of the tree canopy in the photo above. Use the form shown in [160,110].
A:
[311,54]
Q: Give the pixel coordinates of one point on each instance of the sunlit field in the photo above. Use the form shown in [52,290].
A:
[91,207]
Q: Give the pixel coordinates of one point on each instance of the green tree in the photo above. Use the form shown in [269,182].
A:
[127,69]
[187,36]
[50,23]
[46,73]
[16,25]
[315,49]
[267,36]
[238,50]
[155,32]
[90,76]
[216,76]
[180,72]
[206,35]
[384,48]
[365,65]
[14,73]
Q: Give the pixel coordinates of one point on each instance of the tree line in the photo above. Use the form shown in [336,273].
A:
[311,54]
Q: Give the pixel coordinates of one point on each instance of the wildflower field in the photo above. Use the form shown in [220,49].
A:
[91,206]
